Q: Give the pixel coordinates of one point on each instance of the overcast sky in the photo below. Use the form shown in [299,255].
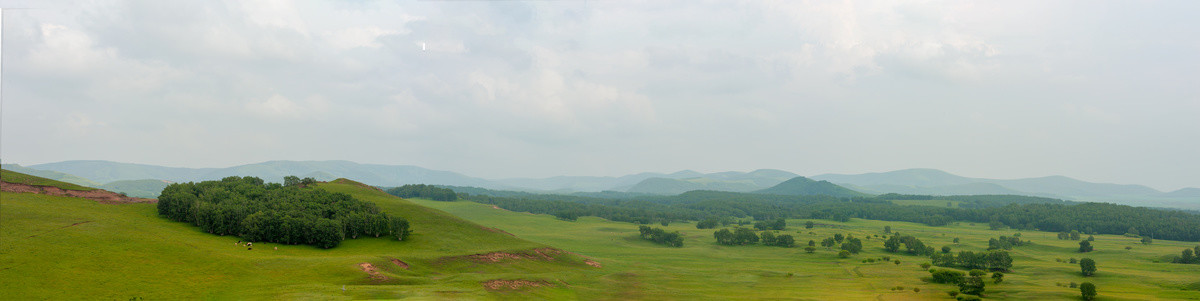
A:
[1099,91]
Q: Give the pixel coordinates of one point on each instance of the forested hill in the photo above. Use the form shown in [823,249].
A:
[806,186]
[1018,212]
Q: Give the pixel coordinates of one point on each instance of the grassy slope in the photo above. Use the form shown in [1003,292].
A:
[53,175]
[20,178]
[69,248]
[705,270]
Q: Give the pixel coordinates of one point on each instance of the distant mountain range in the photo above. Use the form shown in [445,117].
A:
[908,181]
[937,182]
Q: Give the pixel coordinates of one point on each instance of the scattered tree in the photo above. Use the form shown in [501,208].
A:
[808,225]
[997,277]
[1088,291]
[1087,266]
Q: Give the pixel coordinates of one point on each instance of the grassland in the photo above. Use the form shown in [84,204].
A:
[20,178]
[703,269]
[70,248]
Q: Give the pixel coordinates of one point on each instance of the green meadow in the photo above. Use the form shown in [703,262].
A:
[71,248]
[703,269]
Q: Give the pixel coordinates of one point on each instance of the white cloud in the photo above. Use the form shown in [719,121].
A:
[357,37]
[279,107]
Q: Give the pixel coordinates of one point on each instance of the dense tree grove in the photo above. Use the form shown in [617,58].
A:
[739,237]
[912,245]
[946,276]
[257,211]
[660,236]
[1016,212]
[708,223]
[995,260]
[424,191]
[1005,242]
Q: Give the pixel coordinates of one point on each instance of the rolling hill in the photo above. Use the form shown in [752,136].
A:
[73,248]
[806,186]
[53,175]
[721,181]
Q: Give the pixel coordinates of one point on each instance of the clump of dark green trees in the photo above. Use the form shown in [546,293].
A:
[424,191]
[660,236]
[272,212]
[1191,256]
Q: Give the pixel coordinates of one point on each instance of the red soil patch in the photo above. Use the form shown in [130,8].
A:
[592,263]
[371,270]
[499,284]
[402,264]
[546,254]
[99,195]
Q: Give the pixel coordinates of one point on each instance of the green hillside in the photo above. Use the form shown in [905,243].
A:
[71,248]
[149,188]
[806,186]
[20,178]
[53,175]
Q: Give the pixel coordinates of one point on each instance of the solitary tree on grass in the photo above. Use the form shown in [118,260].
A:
[1087,266]
[1088,291]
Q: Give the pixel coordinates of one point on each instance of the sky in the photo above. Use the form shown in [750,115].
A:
[1103,91]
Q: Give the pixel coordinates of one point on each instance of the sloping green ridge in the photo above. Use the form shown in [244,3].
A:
[806,186]
[71,248]
[20,178]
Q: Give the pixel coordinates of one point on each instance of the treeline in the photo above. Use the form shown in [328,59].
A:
[424,191]
[1019,212]
[976,201]
[660,236]
[271,212]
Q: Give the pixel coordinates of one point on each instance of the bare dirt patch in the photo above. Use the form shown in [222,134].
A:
[99,195]
[543,254]
[372,271]
[502,284]
[592,263]
[401,264]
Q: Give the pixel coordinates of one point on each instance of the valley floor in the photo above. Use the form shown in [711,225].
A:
[702,269]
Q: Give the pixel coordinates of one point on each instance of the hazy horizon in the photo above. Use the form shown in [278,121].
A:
[1097,91]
